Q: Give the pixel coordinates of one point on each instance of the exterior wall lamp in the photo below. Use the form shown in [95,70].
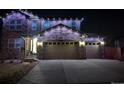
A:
[40,44]
[81,43]
[102,43]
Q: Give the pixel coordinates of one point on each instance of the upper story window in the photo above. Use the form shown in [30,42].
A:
[34,25]
[74,24]
[18,22]
[12,22]
[46,24]
[15,24]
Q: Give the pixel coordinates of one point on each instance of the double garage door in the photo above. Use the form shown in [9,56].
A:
[60,50]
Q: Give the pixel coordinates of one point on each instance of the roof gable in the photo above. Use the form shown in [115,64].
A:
[60,32]
[60,25]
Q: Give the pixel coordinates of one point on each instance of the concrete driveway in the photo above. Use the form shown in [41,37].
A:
[75,72]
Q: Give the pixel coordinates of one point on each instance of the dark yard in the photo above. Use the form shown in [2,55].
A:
[10,73]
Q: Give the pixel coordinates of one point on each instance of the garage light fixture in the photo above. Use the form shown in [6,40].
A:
[81,43]
[102,42]
[40,44]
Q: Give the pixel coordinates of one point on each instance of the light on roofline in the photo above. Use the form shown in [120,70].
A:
[82,19]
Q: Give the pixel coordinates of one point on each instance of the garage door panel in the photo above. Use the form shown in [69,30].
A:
[61,52]
[92,51]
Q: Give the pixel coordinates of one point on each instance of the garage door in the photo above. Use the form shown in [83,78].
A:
[92,50]
[60,50]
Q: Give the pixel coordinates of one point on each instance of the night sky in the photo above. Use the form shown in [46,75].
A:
[106,22]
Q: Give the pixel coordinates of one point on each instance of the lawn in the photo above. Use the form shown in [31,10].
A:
[11,73]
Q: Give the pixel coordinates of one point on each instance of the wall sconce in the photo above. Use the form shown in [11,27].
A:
[40,44]
[102,42]
[81,43]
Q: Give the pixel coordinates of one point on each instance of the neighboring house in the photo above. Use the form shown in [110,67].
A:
[56,38]
[120,43]
[112,49]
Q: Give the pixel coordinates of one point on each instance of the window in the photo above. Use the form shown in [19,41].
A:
[18,22]
[12,27]
[94,43]
[15,24]
[46,24]
[90,43]
[67,43]
[7,23]
[75,43]
[11,43]
[98,43]
[18,27]
[63,43]
[12,22]
[15,43]
[71,43]
[50,43]
[46,43]
[18,43]
[58,43]
[34,25]
[74,24]
[54,43]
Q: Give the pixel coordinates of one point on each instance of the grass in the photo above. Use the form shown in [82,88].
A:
[11,73]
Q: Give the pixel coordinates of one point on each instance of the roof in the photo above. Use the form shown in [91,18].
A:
[62,25]
[27,16]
